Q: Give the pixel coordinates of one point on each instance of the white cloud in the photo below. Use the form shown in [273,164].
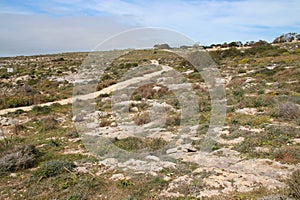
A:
[225,20]
[207,21]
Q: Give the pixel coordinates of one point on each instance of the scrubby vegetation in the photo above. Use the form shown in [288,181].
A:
[43,155]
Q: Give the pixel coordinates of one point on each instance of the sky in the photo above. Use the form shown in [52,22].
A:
[38,27]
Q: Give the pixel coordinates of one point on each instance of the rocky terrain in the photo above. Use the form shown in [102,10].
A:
[158,124]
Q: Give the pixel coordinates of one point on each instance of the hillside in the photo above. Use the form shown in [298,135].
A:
[149,125]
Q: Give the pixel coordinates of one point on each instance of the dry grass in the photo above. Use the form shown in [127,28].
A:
[19,158]
[289,110]
[142,118]
[294,184]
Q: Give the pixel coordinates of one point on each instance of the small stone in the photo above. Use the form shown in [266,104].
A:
[14,175]
[117,177]
[247,111]
[113,124]
[153,173]
[170,151]
[92,125]
[82,170]
[150,157]
[134,109]
[262,149]
[156,88]
[109,162]
[296,141]
[179,142]
[77,118]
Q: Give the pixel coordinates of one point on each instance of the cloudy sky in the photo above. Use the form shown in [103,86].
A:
[38,27]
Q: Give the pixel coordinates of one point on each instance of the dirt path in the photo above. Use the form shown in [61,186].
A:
[107,90]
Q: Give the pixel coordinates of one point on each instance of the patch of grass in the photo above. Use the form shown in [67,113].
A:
[249,120]
[136,144]
[277,139]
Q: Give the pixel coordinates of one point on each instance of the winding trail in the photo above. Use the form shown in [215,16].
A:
[93,95]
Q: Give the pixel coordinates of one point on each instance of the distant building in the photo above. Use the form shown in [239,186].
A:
[10,70]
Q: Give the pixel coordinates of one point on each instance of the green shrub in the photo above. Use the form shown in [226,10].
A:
[41,110]
[53,168]
[238,93]
[124,183]
[242,71]
[258,102]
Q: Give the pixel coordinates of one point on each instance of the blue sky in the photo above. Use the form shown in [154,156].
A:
[36,27]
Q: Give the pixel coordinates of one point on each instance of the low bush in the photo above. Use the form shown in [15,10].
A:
[105,84]
[173,120]
[72,134]
[294,184]
[53,168]
[21,157]
[142,119]
[289,155]
[288,110]
[41,110]
[48,123]
[104,122]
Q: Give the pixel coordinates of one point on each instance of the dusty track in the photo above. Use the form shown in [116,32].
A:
[107,90]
